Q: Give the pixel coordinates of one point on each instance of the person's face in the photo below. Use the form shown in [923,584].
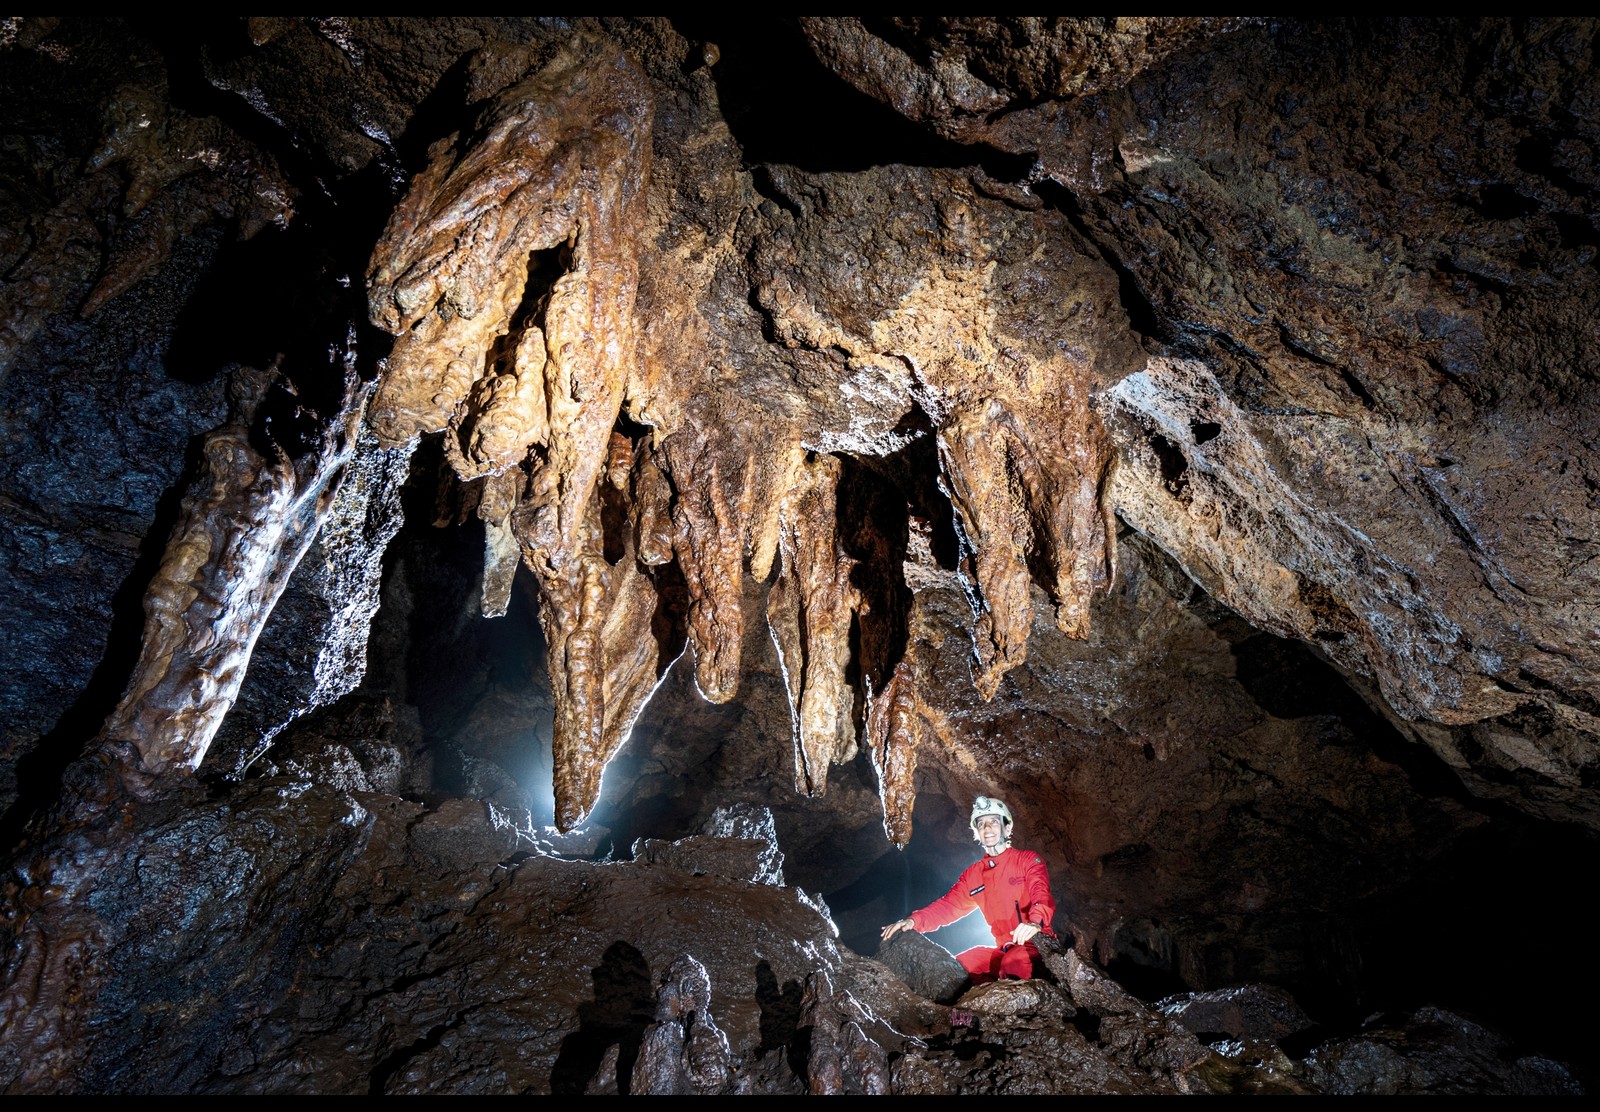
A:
[991,830]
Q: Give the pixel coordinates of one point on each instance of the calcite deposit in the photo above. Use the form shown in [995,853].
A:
[523,537]
[242,530]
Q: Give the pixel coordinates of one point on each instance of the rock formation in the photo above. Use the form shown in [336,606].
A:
[475,481]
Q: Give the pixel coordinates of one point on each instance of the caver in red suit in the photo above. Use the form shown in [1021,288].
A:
[1008,888]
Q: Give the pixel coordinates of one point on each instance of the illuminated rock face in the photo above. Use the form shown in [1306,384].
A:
[887,294]
[1348,438]
[1186,428]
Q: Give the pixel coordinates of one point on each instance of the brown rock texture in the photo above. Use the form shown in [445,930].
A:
[523,537]
[241,532]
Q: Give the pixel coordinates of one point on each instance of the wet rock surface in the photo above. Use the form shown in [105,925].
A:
[523,536]
[926,966]
[391,949]
[1252,1012]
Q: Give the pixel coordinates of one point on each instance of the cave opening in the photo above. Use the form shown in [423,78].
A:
[478,684]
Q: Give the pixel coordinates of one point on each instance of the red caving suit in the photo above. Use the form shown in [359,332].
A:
[1012,882]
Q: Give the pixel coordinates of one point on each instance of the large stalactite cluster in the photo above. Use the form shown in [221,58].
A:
[509,276]
[530,381]
[1184,426]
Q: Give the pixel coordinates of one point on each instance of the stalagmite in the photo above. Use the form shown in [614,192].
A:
[684,1052]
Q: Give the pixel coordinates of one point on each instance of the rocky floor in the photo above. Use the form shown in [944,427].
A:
[705,435]
[298,939]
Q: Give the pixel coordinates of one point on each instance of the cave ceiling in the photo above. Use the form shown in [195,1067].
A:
[1189,427]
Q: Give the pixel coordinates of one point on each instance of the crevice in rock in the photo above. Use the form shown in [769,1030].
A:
[828,130]
[1143,315]
[397,1060]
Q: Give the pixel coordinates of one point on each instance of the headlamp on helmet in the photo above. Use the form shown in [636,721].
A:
[988,805]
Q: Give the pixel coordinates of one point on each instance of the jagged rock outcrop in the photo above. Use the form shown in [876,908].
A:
[243,527]
[1339,474]
[1433,1051]
[1183,426]
[218,955]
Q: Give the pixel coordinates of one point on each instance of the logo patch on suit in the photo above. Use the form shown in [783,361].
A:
[976,890]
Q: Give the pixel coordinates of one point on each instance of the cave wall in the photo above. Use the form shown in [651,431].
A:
[1186,427]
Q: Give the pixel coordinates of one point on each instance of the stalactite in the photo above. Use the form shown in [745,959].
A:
[1020,486]
[655,534]
[502,555]
[710,551]
[589,324]
[770,475]
[242,529]
[611,634]
[1062,463]
[560,162]
[995,533]
[572,612]
[506,414]
[436,361]
[893,732]
[529,375]
[810,607]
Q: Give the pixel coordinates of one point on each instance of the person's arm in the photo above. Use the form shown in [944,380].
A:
[944,910]
[1038,906]
[941,912]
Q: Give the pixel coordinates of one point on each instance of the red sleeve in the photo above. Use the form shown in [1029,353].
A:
[1041,905]
[946,909]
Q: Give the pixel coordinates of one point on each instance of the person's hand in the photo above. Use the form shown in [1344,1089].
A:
[896,927]
[1024,932]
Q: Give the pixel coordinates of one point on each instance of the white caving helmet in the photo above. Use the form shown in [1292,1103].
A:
[987,805]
